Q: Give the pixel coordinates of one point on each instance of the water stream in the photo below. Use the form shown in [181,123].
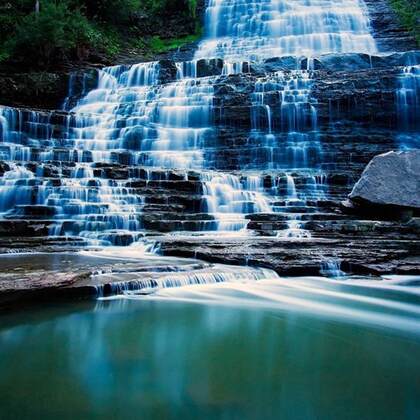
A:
[279,348]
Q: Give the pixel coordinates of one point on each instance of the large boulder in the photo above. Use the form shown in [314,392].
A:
[391,179]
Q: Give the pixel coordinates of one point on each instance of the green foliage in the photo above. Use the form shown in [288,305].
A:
[53,33]
[114,12]
[167,7]
[73,29]
[409,13]
[158,45]
[193,8]
[110,41]
[4,55]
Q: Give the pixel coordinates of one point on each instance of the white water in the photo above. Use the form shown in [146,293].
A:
[392,302]
[408,98]
[242,30]
[388,304]
[229,200]
[138,284]
[157,125]
[132,119]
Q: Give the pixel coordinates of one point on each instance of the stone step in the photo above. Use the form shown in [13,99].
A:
[32,212]
[274,217]
[25,228]
[167,222]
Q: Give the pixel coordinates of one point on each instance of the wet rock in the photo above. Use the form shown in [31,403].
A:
[24,228]
[390,180]
[46,244]
[282,63]
[387,27]
[366,96]
[342,62]
[39,90]
[81,81]
[34,286]
[4,167]
[366,254]
[32,211]
[333,62]
[49,277]
[212,67]
[167,71]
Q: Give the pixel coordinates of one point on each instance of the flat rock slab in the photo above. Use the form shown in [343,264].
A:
[46,276]
[374,254]
[38,280]
[390,179]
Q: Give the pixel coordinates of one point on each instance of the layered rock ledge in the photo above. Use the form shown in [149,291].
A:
[39,277]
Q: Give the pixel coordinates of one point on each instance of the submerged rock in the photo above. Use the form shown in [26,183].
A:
[390,179]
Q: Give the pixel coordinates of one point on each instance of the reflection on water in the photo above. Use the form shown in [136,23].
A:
[240,351]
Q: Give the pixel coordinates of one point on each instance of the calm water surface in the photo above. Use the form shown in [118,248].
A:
[313,350]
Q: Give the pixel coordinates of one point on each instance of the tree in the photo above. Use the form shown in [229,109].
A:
[52,33]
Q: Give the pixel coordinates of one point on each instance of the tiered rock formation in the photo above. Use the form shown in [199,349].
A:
[276,149]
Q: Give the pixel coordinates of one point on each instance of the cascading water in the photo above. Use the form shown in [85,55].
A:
[241,30]
[289,140]
[408,107]
[146,154]
[408,99]
[228,200]
[132,119]
[131,284]
[332,268]
[148,123]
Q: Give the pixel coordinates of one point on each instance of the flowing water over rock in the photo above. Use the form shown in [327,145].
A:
[251,30]
[408,98]
[408,106]
[252,137]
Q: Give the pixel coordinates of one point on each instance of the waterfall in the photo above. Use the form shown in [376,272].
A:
[133,286]
[332,268]
[159,125]
[243,30]
[408,107]
[134,120]
[291,136]
[408,98]
[229,200]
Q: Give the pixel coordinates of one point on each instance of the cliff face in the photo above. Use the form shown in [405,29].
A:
[387,27]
